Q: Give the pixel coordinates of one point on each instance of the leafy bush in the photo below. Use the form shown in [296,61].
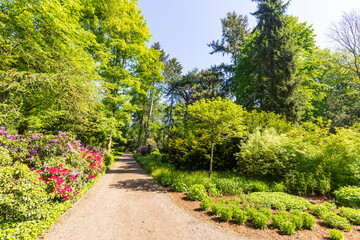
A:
[279,201]
[259,219]
[214,192]
[279,219]
[216,208]
[335,234]
[145,150]
[179,186]
[323,208]
[288,228]
[22,195]
[206,203]
[226,214]
[348,196]
[196,192]
[239,215]
[297,220]
[308,221]
[335,221]
[267,154]
[353,215]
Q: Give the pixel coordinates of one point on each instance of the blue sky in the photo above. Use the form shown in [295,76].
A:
[185,27]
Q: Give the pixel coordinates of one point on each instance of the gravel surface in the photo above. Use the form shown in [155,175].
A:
[128,204]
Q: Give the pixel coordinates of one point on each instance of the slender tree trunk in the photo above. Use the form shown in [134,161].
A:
[109,143]
[211,159]
[140,129]
[150,111]
[170,115]
[186,117]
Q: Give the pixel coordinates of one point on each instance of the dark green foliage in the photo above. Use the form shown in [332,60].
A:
[196,192]
[348,196]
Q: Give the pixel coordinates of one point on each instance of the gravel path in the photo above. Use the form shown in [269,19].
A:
[128,204]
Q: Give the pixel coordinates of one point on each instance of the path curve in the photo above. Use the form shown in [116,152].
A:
[127,204]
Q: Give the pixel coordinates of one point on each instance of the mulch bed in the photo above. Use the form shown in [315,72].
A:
[319,232]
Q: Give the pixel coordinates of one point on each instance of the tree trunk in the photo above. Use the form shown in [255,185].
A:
[109,143]
[170,115]
[150,111]
[211,159]
[140,129]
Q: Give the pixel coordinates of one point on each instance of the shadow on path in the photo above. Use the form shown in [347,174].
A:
[143,185]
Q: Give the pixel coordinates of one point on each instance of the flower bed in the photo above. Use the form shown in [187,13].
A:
[41,175]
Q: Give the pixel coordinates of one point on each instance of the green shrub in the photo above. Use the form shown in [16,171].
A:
[278,187]
[256,186]
[336,221]
[353,215]
[214,192]
[179,186]
[348,196]
[279,219]
[335,234]
[259,219]
[5,159]
[308,221]
[196,192]
[288,228]
[268,154]
[216,208]
[323,208]
[239,215]
[226,214]
[22,195]
[279,201]
[206,203]
[297,220]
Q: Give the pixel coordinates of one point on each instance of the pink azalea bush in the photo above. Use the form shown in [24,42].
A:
[60,161]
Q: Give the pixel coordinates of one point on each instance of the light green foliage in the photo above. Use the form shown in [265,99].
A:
[308,221]
[206,203]
[323,208]
[279,201]
[335,221]
[239,215]
[269,154]
[288,228]
[258,218]
[216,208]
[179,186]
[5,159]
[226,214]
[228,186]
[348,196]
[279,219]
[196,192]
[214,192]
[218,119]
[353,215]
[22,195]
[335,234]
[297,220]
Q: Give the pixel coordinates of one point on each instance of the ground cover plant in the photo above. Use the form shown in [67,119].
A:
[289,213]
[40,176]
